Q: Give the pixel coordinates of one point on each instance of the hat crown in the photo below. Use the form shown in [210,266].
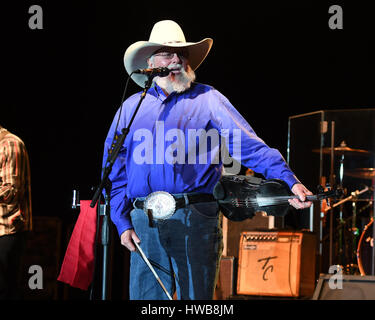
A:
[167,32]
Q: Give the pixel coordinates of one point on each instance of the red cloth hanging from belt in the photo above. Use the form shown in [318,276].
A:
[78,266]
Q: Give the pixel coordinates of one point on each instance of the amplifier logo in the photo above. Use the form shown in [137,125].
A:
[265,268]
[250,247]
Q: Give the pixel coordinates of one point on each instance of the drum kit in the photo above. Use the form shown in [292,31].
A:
[351,246]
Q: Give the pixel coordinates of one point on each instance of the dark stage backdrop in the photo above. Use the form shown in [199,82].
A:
[63,84]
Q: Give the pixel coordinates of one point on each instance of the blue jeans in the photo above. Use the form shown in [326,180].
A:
[184,251]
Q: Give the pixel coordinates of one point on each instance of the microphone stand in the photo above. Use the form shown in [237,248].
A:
[105,183]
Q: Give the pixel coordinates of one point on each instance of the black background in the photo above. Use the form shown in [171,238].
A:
[63,84]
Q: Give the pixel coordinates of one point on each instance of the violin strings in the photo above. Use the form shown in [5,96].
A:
[262,201]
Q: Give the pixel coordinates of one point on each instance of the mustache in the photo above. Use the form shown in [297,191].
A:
[175,66]
[179,82]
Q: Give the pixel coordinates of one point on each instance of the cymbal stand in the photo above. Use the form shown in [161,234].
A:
[354,230]
[354,195]
[341,220]
[331,181]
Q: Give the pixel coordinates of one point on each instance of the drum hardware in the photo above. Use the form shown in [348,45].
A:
[350,268]
[354,230]
[345,222]
[345,253]
[341,220]
[341,253]
[365,207]
[343,150]
[365,249]
[362,173]
[350,198]
[331,181]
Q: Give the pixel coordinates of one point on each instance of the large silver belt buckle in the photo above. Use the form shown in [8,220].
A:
[162,204]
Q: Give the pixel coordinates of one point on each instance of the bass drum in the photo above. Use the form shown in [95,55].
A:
[364,251]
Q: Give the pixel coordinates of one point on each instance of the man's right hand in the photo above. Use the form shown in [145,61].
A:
[127,238]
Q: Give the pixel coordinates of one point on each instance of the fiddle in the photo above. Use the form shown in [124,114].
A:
[240,197]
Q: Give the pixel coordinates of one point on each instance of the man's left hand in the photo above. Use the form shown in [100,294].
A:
[301,191]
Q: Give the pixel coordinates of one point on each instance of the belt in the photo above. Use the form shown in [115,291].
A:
[182,200]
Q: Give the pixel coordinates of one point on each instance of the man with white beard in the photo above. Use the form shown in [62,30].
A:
[181,75]
[167,207]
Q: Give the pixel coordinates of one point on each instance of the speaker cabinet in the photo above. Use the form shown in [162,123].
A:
[225,286]
[349,287]
[43,249]
[277,264]
[232,230]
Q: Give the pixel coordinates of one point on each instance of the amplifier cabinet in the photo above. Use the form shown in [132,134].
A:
[277,264]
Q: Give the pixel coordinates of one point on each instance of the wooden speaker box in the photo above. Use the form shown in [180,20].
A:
[276,264]
[225,286]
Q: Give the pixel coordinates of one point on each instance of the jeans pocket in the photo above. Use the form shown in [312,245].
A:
[206,209]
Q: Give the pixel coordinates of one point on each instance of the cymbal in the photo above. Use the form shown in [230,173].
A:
[343,151]
[363,173]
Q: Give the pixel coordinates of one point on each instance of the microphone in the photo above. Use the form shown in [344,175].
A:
[161,72]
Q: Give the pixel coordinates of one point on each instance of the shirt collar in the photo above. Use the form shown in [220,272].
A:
[160,92]
[157,92]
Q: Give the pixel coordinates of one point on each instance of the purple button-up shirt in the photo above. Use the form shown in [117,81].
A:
[177,144]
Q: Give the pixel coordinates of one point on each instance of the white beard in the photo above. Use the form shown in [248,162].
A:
[176,82]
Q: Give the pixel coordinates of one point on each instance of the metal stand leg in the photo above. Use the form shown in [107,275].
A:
[105,245]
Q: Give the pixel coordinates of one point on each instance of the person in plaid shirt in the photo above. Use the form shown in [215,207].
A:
[15,210]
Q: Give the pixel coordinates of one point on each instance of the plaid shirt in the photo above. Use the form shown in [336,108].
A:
[15,192]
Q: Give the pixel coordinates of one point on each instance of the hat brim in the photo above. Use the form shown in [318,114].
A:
[136,55]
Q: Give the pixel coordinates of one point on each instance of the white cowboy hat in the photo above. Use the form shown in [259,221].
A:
[166,33]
